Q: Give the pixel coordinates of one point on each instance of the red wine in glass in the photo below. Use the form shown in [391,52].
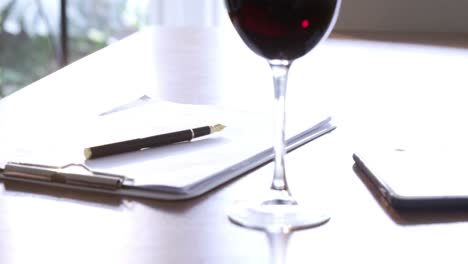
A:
[280,31]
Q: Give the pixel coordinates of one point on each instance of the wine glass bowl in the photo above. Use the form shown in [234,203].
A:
[280,31]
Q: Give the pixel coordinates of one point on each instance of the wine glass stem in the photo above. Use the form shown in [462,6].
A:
[280,70]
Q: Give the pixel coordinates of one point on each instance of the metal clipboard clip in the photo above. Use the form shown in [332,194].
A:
[71,174]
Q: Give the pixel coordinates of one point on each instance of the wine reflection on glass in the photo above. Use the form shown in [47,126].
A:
[280,31]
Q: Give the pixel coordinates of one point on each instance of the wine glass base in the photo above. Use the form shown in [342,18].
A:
[275,217]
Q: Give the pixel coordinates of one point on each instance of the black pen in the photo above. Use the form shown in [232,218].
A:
[149,142]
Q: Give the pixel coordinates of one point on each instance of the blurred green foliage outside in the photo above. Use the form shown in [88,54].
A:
[29,34]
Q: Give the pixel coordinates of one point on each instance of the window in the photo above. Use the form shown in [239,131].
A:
[30,30]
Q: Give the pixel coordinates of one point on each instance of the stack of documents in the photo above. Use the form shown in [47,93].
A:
[53,153]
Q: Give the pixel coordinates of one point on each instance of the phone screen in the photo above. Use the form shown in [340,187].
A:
[418,173]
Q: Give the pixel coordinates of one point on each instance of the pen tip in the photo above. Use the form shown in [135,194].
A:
[218,127]
[88,153]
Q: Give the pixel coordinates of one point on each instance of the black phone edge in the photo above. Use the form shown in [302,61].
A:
[404,203]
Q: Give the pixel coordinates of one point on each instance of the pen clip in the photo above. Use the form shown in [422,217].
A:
[72,174]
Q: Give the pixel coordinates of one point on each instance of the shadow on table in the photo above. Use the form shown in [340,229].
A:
[55,193]
[411,217]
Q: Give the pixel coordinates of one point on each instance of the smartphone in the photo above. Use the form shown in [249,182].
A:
[416,179]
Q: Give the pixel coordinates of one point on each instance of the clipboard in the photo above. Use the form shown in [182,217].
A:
[173,172]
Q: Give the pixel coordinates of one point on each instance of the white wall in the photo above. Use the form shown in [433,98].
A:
[404,15]
[186,12]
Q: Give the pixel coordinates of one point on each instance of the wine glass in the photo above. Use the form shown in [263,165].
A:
[280,31]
